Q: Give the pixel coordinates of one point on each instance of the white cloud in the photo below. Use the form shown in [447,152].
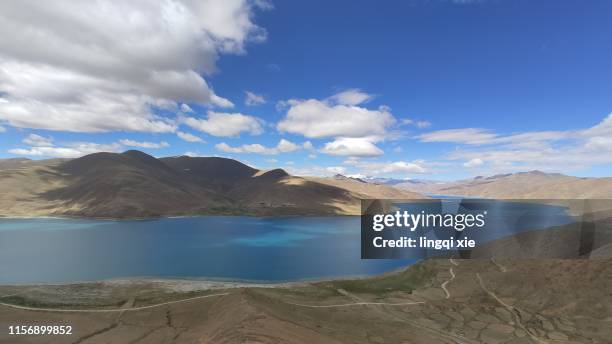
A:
[356,147]
[603,128]
[336,169]
[328,118]
[226,124]
[263,4]
[44,147]
[144,144]
[252,99]
[477,136]
[389,168]
[73,150]
[308,145]
[570,150]
[186,108]
[38,141]
[192,154]
[599,143]
[423,124]
[472,136]
[418,124]
[283,146]
[350,97]
[96,66]
[2,129]
[188,137]
[473,163]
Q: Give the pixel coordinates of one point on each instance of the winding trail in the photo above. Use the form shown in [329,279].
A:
[447,282]
[452,273]
[357,304]
[513,310]
[112,310]
[447,336]
[501,267]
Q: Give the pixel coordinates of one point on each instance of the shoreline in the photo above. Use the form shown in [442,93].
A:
[216,283]
[67,217]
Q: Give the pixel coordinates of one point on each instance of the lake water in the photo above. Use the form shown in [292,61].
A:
[233,248]
[221,247]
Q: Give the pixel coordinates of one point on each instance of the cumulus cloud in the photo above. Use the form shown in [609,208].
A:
[252,99]
[38,141]
[350,97]
[2,129]
[144,144]
[356,147]
[336,169]
[337,116]
[226,124]
[186,108]
[308,145]
[188,137]
[40,146]
[473,163]
[546,150]
[283,146]
[73,150]
[391,168]
[96,66]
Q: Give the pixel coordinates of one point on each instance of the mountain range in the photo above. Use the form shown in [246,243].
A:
[136,185]
[521,185]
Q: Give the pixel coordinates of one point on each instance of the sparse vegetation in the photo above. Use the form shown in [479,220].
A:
[415,276]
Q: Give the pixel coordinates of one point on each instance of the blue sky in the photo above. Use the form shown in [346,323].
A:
[410,89]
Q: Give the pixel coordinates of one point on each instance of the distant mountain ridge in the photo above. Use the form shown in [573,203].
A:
[136,185]
[522,185]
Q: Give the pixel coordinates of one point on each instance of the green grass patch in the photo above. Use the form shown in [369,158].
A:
[416,276]
[34,303]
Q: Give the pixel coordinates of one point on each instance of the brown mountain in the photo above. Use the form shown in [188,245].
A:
[525,185]
[365,189]
[219,173]
[131,184]
[136,185]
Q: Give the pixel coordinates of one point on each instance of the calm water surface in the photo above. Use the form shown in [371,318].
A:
[230,248]
[236,248]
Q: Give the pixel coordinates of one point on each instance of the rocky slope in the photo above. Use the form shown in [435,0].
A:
[523,185]
[136,185]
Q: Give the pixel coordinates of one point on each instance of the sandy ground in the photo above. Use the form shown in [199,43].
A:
[483,301]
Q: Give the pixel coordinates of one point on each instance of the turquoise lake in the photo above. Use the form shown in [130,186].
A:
[222,247]
[219,247]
